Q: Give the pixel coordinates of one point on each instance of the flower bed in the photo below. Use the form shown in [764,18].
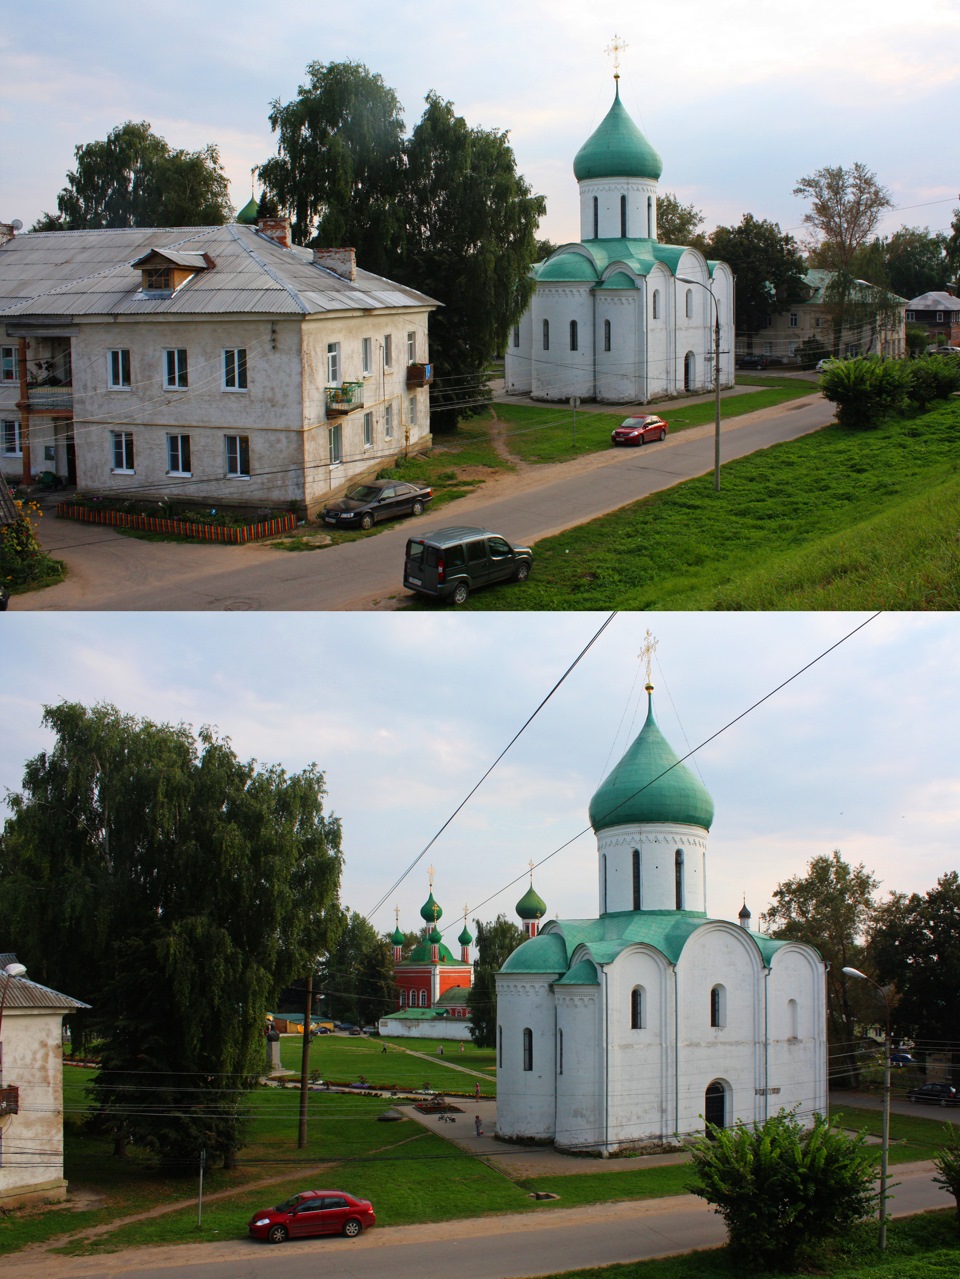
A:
[202,532]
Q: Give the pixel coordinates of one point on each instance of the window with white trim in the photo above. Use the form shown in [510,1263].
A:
[403,998]
[794,319]
[412,410]
[910,315]
[412,347]
[235,368]
[121,446]
[237,452]
[12,445]
[368,430]
[118,370]
[388,421]
[335,443]
[366,356]
[333,364]
[178,455]
[9,364]
[423,999]
[175,369]
[388,351]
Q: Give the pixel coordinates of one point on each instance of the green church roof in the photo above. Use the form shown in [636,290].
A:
[422,953]
[545,953]
[465,939]
[248,214]
[398,938]
[531,905]
[619,280]
[651,785]
[617,149]
[567,266]
[430,911]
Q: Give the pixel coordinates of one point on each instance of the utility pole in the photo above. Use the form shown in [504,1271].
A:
[305,1064]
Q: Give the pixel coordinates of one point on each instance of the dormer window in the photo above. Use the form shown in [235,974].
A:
[160,278]
[164,271]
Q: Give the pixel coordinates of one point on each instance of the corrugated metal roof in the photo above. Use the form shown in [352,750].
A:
[90,273]
[25,994]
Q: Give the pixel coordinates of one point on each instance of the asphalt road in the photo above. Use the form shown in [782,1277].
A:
[486,1248]
[109,571]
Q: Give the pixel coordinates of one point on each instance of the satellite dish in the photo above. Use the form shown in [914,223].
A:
[17,224]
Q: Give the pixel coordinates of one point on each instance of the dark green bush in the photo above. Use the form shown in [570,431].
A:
[866,391]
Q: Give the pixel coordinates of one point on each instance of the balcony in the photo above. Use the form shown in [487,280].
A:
[56,400]
[419,374]
[9,1101]
[344,398]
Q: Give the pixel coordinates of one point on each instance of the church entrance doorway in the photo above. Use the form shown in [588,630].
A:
[715,1106]
[689,371]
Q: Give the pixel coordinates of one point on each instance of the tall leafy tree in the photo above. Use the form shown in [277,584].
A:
[175,888]
[768,266]
[678,223]
[134,178]
[495,943]
[953,253]
[831,908]
[357,977]
[914,260]
[913,946]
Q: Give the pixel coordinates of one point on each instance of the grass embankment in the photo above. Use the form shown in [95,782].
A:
[343,1059]
[840,519]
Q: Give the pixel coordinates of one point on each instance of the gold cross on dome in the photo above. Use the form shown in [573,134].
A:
[431,872]
[616,47]
[396,911]
[647,651]
[532,864]
[466,911]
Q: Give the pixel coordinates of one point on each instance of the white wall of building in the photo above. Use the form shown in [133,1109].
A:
[31,1167]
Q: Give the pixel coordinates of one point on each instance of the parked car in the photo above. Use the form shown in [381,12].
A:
[313,1212]
[901,1058]
[751,361]
[452,562]
[354,1030]
[364,505]
[638,430]
[824,364]
[935,1094]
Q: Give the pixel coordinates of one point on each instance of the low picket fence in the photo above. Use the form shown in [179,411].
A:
[252,532]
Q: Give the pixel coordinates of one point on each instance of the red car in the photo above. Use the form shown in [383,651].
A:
[638,430]
[313,1212]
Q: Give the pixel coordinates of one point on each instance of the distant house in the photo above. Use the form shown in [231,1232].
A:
[939,313]
[873,328]
[31,1090]
[218,364]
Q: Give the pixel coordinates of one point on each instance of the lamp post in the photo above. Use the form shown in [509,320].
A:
[11,970]
[716,376]
[885,1142]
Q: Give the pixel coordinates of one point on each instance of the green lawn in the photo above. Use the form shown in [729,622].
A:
[342,1059]
[837,519]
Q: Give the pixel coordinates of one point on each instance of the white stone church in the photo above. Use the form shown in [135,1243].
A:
[618,316]
[637,1028]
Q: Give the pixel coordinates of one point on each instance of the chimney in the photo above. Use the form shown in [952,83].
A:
[342,262]
[276,229]
[7,231]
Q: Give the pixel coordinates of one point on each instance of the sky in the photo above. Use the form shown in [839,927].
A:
[740,100]
[404,713]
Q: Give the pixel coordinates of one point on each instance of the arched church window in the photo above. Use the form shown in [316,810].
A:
[546,335]
[637,895]
[403,999]
[718,1006]
[793,1019]
[560,1051]
[596,218]
[607,335]
[678,876]
[516,335]
[574,336]
[689,304]
[527,1048]
[623,217]
[649,217]
[423,999]
[656,304]
[604,885]
[636,1008]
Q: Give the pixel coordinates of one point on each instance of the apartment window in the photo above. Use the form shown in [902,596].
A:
[412,410]
[817,321]
[368,430]
[794,320]
[12,444]
[411,347]
[9,364]
[910,315]
[387,351]
[939,317]
[678,877]
[546,335]
[636,1008]
[335,441]
[175,369]
[237,449]
[388,421]
[119,371]
[235,369]
[656,304]
[121,443]
[333,364]
[178,455]
[366,356]
[527,1048]
[516,335]
[689,304]
[574,339]
[607,335]
[718,1007]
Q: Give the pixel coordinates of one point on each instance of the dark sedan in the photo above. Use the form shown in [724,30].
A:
[313,1212]
[638,430]
[365,504]
[935,1095]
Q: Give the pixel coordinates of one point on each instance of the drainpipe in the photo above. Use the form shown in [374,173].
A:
[606,1061]
[24,407]
[676,1051]
[766,1044]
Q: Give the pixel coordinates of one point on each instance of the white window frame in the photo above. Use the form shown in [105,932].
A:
[794,319]
[234,370]
[234,448]
[366,356]
[121,448]
[388,350]
[175,376]
[388,421]
[11,435]
[119,369]
[412,410]
[175,454]
[9,364]
[333,364]
[368,430]
[335,444]
[412,346]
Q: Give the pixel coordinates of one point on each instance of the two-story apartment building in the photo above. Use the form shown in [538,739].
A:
[205,363]
[939,313]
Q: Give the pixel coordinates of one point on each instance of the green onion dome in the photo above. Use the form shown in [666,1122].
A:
[531,905]
[617,149]
[465,939]
[398,938]
[430,911]
[436,937]
[248,214]
[650,785]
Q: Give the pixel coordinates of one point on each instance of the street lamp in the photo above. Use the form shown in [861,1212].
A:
[716,376]
[885,1143]
[11,970]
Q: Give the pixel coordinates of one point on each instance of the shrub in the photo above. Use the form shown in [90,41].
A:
[932,377]
[866,391]
[780,1188]
[947,1164]
[22,560]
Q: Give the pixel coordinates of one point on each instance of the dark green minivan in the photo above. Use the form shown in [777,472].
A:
[452,562]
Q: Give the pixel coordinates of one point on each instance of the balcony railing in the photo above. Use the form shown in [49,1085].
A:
[419,374]
[345,398]
[10,1101]
[50,399]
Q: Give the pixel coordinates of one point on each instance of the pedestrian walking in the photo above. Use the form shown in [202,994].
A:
[476,1090]
[461,1045]
[478,1125]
